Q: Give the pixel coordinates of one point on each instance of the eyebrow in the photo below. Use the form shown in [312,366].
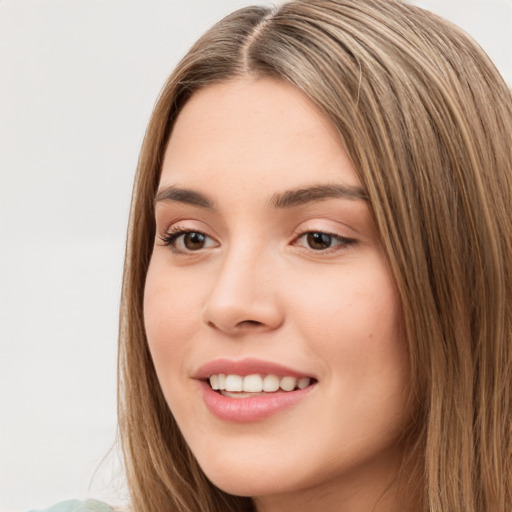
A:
[288,199]
[302,196]
[183,195]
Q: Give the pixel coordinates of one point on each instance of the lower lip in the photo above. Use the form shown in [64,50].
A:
[246,410]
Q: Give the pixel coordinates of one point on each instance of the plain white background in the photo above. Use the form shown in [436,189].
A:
[78,79]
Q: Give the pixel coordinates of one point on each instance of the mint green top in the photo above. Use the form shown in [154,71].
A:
[79,506]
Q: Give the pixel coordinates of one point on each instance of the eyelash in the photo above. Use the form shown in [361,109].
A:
[342,242]
[170,238]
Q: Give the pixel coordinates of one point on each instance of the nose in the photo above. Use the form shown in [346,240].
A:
[244,296]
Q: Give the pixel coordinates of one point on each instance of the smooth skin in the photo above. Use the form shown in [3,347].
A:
[246,277]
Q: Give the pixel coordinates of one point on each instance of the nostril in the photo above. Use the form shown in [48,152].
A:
[243,323]
[249,323]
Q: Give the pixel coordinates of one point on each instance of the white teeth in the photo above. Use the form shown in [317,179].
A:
[214,382]
[253,384]
[234,383]
[288,383]
[256,383]
[303,383]
[270,383]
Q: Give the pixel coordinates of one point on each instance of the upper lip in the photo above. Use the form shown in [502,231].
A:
[247,366]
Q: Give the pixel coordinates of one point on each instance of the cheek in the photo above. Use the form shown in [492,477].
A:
[356,324]
[361,305]
[171,321]
[169,318]
[171,299]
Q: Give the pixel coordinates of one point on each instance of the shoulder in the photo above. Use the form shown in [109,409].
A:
[79,506]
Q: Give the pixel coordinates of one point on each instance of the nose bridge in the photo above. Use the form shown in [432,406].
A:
[243,293]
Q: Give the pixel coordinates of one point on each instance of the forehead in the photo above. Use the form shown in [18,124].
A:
[255,132]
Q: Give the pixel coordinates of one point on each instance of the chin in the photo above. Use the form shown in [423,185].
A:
[250,485]
[243,478]
[240,485]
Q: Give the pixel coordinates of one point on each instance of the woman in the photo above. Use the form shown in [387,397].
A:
[317,289]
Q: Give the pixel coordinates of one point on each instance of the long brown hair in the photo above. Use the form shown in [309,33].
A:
[427,121]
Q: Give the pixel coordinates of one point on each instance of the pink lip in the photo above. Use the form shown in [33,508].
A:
[246,366]
[246,410]
[250,409]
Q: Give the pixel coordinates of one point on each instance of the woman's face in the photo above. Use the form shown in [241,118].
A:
[267,271]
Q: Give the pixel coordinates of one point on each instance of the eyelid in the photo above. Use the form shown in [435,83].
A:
[177,230]
[180,228]
[178,223]
[344,241]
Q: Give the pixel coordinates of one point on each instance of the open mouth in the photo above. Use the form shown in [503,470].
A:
[243,386]
[251,390]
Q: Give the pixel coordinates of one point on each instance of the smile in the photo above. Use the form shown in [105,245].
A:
[237,386]
[249,389]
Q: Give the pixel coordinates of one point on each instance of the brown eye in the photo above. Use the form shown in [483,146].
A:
[182,241]
[194,241]
[319,241]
